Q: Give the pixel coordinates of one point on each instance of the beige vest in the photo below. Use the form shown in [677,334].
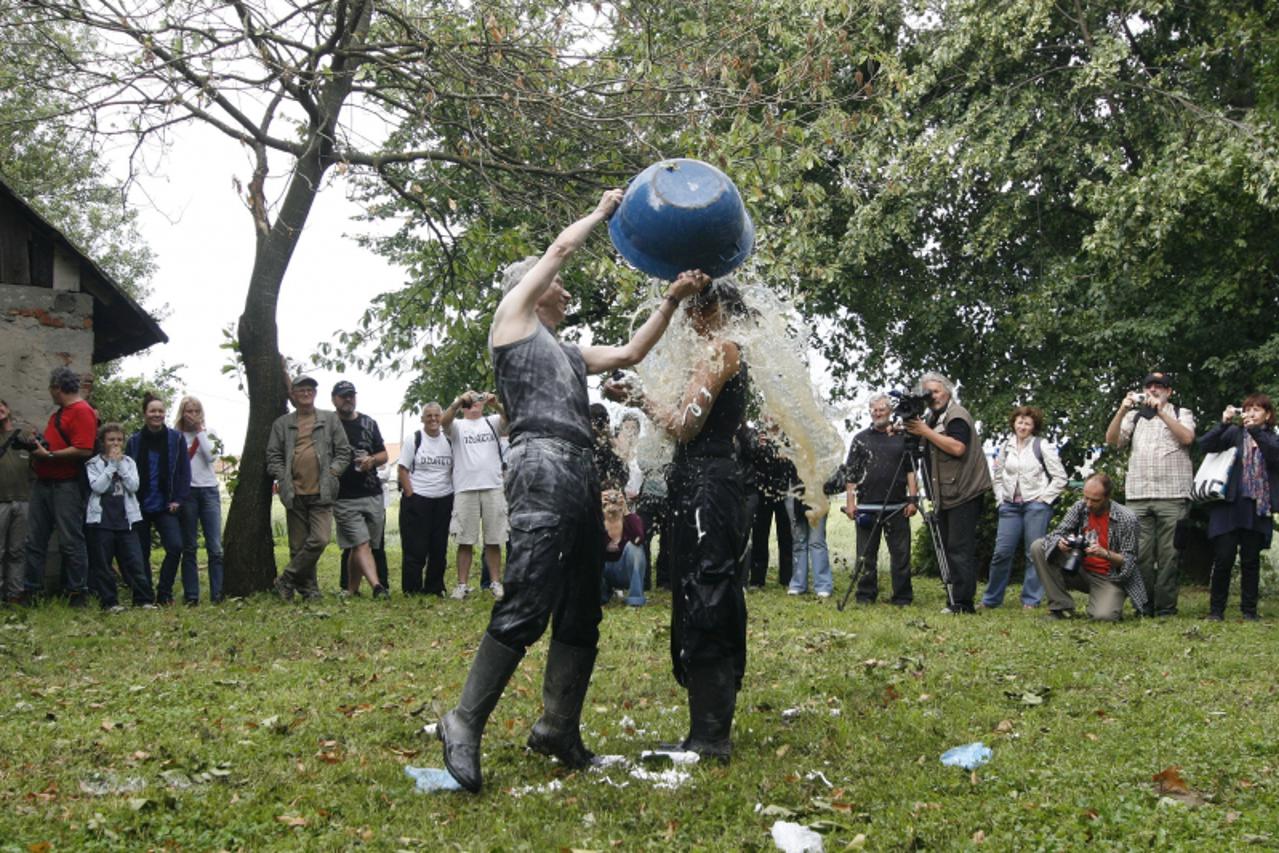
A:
[958,479]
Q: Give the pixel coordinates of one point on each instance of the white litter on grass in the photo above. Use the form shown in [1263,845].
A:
[817,774]
[429,729]
[549,787]
[677,757]
[795,838]
[630,729]
[669,779]
[602,761]
[790,714]
[429,779]
[835,712]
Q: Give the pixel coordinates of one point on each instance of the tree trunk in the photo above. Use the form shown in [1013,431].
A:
[249,549]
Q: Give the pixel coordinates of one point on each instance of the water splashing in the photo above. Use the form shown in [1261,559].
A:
[779,380]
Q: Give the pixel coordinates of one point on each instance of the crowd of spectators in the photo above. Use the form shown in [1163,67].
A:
[109,496]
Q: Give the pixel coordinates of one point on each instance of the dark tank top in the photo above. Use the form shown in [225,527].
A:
[542,384]
[728,413]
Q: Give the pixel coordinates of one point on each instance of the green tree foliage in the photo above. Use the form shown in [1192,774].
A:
[765,90]
[1062,195]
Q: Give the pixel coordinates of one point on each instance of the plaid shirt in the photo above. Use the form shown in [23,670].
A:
[1122,536]
[1159,467]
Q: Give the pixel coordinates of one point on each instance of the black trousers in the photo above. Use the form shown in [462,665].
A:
[1248,544]
[708,606]
[555,562]
[424,538]
[959,540]
[655,514]
[895,530]
[771,513]
[379,561]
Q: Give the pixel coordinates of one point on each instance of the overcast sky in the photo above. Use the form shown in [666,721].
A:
[202,236]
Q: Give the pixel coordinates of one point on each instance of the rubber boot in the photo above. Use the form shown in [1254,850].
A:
[712,699]
[559,732]
[461,729]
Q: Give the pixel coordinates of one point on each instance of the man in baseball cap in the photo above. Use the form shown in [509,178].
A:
[1157,487]
[359,511]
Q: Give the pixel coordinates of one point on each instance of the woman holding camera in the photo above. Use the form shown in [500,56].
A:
[1240,524]
[1028,478]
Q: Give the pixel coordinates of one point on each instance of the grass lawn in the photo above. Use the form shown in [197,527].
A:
[258,725]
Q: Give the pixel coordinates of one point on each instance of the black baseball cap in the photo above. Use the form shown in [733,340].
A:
[1157,377]
[343,389]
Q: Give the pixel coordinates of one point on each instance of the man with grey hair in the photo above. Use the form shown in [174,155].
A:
[880,497]
[58,496]
[555,563]
[959,478]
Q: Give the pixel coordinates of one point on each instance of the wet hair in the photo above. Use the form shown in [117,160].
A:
[1263,401]
[723,293]
[65,380]
[182,407]
[599,417]
[149,398]
[934,376]
[514,273]
[105,430]
[1107,486]
[1035,415]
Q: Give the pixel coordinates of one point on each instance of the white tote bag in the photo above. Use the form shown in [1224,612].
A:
[1213,475]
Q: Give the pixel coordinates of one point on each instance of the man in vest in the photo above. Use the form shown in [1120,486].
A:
[959,478]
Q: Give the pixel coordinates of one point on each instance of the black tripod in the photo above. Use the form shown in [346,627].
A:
[928,510]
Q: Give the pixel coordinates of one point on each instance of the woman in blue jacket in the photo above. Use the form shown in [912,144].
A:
[1241,523]
[164,481]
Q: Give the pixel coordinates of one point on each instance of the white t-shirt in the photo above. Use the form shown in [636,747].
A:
[430,467]
[202,460]
[476,462]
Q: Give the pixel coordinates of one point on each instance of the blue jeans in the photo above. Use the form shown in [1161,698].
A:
[1019,525]
[57,504]
[626,572]
[808,549]
[203,507]
[170,528]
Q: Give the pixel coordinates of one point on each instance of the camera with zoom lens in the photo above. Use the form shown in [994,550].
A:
[908,406]
[1078,545]
[29,444]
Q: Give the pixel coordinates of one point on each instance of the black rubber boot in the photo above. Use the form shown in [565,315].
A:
[712,699]
[461,729]
[559,731]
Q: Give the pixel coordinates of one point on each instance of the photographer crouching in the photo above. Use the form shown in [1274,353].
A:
[959,478]
[1093,550]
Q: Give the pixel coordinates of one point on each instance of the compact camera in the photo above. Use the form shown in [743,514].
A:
[1141,398]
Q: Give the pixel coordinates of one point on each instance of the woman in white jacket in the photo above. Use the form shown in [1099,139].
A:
[1028,478]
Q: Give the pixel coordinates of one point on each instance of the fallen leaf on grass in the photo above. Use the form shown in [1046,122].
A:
[776,811]
[50,792]
[979,837]
[671,827]
[291,820]
[782,750]
[890,695]
[1004,727]
[1091,736]
[1036,696]
[330,757]
[1091,814]
[107,725]
[1170,784]
[353,711]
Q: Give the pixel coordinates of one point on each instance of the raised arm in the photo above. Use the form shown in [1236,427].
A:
[601,358]
[514,318]
[685,420]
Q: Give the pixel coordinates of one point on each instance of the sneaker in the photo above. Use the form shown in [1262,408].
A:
[283,588]
[380,591]
[460,592]
[793,592]
[78,601]
[1251,617]
[499,592]
[149,607]
[823,595]
[312,595]
[117,608]
[1215,617]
